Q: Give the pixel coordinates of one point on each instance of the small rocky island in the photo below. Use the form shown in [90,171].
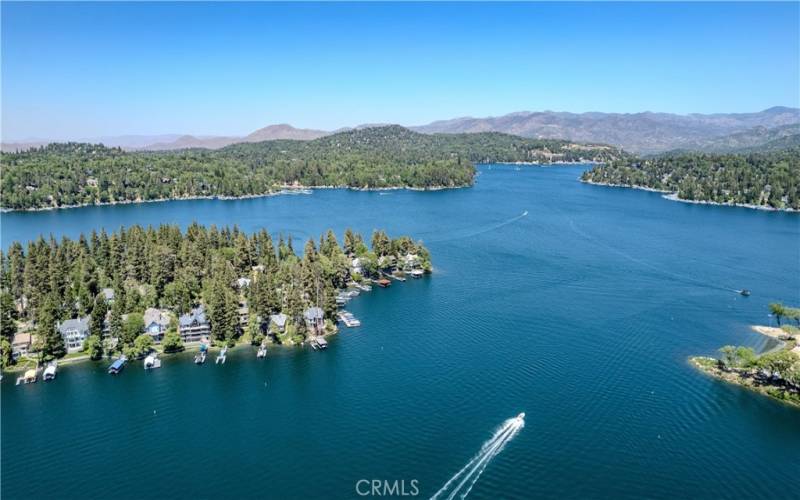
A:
[146,290]
[775,373]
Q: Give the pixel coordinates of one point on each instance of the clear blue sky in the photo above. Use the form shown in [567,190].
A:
[78,70]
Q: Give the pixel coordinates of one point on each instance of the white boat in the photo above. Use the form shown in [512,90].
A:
[417,273]
[262,351]
[50,370]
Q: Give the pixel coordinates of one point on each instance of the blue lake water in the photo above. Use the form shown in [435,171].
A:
[582,314]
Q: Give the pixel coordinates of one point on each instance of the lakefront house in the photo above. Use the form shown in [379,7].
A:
[279,320]
[20,345]
[194,325]
[74,333]
[156,323]
[315,319]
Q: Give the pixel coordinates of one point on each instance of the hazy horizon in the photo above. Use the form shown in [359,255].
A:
[176,134]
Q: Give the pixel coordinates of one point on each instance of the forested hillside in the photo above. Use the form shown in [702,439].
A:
[77,174]
[768,179]
[51,280]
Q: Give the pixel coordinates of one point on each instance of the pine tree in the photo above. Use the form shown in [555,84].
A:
[8,313]
[46,322]
[98,316]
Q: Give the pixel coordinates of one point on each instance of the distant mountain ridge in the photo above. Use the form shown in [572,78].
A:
[644,133]
[637,132]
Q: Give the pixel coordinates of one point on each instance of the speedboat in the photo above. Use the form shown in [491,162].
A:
[521,416]
[745,292]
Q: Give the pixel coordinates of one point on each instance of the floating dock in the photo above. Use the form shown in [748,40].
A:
[348,319]
[222,356]
[29,377]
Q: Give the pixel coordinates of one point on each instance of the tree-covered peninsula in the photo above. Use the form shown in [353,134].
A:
[775,373]
[769,179]
[60,175]
[138,284]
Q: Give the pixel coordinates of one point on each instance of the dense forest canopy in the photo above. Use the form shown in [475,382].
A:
[767,178]
[391,156]
[50,281]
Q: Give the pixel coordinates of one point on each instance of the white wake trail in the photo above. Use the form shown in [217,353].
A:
[475,467]
[477,232]
[477,473]
[499,433]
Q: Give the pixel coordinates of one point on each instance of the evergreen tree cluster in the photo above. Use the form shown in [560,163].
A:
[50,281]
[769,179]
[379,157]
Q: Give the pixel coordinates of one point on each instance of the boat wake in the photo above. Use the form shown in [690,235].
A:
[484,229]
[462,482]
[668,274]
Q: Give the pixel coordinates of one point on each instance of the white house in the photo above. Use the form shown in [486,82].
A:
[74,333]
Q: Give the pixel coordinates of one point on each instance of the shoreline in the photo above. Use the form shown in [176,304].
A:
[228,198]
[673,196]
[746,378]
[187,348]
[545,163]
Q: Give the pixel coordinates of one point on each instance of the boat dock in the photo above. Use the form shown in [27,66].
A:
[262,351]
[319,343]
[50,371]
[222,356]
[117,365]
[383,283]
[200,358]
[152,361]
[29,377]
[348,319]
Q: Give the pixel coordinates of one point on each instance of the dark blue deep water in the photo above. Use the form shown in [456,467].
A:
[582,314]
